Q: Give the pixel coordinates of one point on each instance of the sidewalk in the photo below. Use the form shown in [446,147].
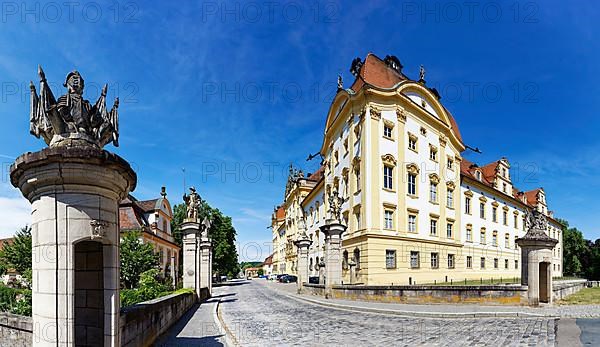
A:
[442,310]
[195,328]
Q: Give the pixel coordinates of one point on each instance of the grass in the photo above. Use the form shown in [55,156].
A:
[472,282]
[586,296]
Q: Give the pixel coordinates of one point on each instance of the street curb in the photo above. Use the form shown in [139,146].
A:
[423,314]
[230,340]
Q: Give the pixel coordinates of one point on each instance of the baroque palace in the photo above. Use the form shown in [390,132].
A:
[416,210]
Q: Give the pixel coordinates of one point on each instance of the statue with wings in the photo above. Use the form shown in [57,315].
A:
[205,227]
[72,120]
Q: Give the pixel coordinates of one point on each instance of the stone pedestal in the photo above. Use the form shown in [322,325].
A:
[536,263]
[75,194]
[303,243]
[205,246]
[333,231]
[191,276]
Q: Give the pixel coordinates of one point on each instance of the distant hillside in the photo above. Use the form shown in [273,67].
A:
[246,264]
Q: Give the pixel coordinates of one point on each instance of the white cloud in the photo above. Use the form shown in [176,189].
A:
[15,213]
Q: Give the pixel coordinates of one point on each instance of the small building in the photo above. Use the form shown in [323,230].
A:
[251,272]
[267,265]
[152,218]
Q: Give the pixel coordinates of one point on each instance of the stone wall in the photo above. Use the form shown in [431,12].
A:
[142,323]
[15,331]
[562,289]
[418,294]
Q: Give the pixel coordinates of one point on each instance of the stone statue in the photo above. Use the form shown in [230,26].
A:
[205,227]
[536,220]
[421,73]
[335,205]
[192,203]
[72,120]
[340,83]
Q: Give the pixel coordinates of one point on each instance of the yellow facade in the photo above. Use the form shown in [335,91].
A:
[377,139]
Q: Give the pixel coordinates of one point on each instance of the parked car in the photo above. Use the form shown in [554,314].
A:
[280,276]
[272,277]
[289,279]
[313,279]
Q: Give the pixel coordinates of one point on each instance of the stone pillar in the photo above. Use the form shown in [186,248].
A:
[536,261]
[333,231]
[352,266]
[191,276]
[205,265]
[302,244]
[75,193]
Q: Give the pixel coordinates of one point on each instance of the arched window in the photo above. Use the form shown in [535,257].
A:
[356,257]
[310,266]
[345,260]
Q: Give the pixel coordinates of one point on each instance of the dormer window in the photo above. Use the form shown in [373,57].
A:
[478,175]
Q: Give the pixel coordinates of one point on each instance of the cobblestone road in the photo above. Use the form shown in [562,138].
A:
[259,316]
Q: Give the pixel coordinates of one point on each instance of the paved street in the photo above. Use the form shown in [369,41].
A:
[258,315]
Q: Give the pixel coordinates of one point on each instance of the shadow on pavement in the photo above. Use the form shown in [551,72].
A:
[227,284]
[222,295]
[170,338]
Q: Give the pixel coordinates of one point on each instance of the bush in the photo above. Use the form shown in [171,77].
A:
[152,285]
[17,301]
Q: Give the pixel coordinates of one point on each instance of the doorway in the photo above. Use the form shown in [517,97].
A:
[544,283]
[89,294]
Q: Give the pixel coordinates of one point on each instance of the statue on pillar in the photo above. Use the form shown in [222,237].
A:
[205,227]
[192,202]
[72,120]
[335,205]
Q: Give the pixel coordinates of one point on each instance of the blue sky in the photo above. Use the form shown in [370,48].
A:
[235,91]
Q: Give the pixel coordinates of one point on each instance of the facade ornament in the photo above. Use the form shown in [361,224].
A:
[72,120]
[340,83]
[450,185]
[412,168]
[443,140]
[98,229]
[434,178]
[375,113]
[357,63]
[389,159]
[536,220]
[422,74]
[335,205]
[192,203]
[401,114]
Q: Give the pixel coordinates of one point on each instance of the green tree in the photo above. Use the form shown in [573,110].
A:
[575,250]
[136,258]
[17,255]
[222,233]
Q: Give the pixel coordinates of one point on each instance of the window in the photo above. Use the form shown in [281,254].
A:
[516,264]
[506,241]
[469,262]
[478,175]
[423,131]
[450,164]
[503,172]
[450,198]
[504,187]
[516,223]
[346,146]
[357,176]
[495,263]
[388,217]
[494,214]
[515,242]
[387,177]
[449,230]
[412,184]
[469,233]
[433,227]
[336,158]
[495,238]
[468,205]
[357,217]
[356,257]
[412,142]
[390,259]
[434,261]
[482,210]
[482,237]
[412,223]
[387,131]
[482,263]
[345,265]
[450,261]
[414,259]
[506,264]
[505,218]
[432,192]
[433,153]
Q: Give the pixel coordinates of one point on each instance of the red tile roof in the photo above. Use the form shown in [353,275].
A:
[317,175]
[280,213]
[268,260]
[532,196]
[377,73]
